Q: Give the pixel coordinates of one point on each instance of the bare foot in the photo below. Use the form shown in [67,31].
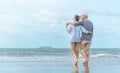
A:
[86,61]
[76,62]
[85,64]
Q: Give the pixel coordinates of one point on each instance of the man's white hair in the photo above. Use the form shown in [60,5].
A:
[85,13]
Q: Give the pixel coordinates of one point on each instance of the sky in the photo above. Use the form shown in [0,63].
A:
[36,23]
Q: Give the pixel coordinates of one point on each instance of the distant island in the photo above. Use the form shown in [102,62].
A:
[46,47]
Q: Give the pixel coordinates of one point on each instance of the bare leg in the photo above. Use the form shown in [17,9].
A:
[77,49]
[85,56]
[77,45]
[83,52]
[87,46]
[73,51]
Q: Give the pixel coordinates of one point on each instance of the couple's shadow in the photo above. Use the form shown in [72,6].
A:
[86,69]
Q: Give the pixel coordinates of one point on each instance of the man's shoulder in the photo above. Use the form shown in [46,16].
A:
[89,21]
[78,23]
[81,21]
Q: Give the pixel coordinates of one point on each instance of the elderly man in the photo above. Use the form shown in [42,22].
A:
[86,38]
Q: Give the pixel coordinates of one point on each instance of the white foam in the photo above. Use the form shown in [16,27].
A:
[51,57]
[105,55]
[31,58]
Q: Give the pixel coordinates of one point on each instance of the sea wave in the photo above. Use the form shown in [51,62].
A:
[54,57]
[105,55]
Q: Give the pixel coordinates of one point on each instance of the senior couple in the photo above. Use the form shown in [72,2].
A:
[81,32]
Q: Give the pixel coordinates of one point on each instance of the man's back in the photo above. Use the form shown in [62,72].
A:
[88,25]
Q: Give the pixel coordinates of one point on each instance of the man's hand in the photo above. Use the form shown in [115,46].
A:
[90,32]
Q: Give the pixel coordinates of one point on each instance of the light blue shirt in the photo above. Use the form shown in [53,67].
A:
[75,32]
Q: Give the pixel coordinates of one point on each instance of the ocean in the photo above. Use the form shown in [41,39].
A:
[34,54]
[51,60]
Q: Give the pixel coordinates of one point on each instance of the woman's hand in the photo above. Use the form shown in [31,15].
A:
[70,23]
[67,24]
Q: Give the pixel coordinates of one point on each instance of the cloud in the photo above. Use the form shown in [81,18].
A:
[114,12]
[11,24]
[45,16]
[43,21]
[25,2]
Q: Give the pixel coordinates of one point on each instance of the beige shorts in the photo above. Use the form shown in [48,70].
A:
[85,45]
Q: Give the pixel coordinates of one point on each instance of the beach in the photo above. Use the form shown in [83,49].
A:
[57,61]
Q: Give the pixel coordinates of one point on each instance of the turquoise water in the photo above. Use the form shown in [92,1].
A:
[57,61]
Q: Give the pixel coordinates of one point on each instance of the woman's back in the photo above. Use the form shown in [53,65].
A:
[75,33]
